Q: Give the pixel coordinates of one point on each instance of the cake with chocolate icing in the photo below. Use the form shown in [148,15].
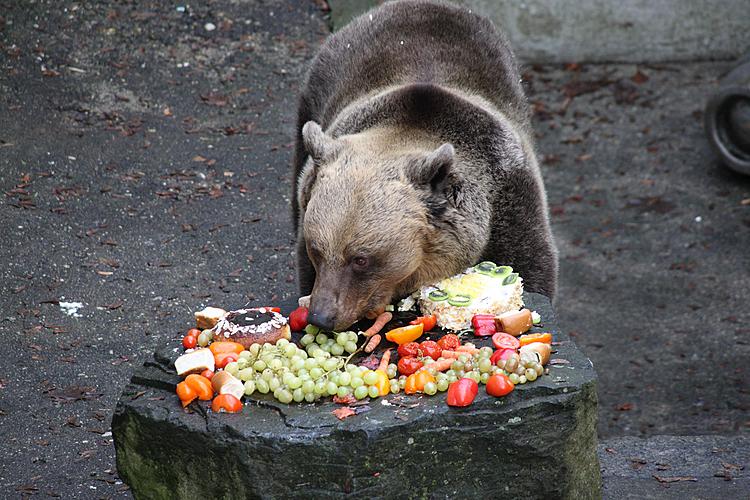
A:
[252,326]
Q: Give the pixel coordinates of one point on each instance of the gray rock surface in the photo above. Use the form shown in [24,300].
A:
[538,441]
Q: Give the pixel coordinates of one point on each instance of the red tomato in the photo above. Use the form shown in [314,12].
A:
[189,342]
[298,319]
[462,392]
[449,342]
[409,349]
[408,365]
[431,348]
[501,354]
[193,332]
[499,385]
[223,358]
[207,373]
[428,322]
[503,340]
[227,403]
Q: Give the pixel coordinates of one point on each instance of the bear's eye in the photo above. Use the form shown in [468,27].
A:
[360,262]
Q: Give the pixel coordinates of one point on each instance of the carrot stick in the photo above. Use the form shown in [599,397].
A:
[383,367]
[440,365]
[451,354]
[467,349]
[373,343]
[380,322]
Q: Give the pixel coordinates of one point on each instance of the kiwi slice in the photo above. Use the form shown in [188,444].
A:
[502,271]
[510,279]
[437,295]
[485,267]
[459,300]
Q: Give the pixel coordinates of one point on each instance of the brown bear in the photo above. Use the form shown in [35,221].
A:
[414,160]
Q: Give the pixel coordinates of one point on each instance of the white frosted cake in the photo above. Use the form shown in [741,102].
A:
[483,289]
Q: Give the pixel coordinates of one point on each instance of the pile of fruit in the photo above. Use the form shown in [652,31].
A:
[322,364]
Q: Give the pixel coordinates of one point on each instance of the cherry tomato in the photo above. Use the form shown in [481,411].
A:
[201,385]
[431,348]
[189,342]
[207,373]
[298,319]
[185,393]
[408,365]
[409,349]
[505,341]
[193,332]
[226,346]
[428,322]
[223,358]
[416,381]
[227,403]
[462,392]
[501,354]
[499,385]
[449,342]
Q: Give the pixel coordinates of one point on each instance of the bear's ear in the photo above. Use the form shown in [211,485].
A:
[320,146]
[434,168]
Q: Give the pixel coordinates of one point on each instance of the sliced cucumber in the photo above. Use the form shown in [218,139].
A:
[485,267]
[502,271]
[510,279]
[459,300]
[437,295]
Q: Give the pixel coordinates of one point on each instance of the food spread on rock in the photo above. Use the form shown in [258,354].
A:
[248,352]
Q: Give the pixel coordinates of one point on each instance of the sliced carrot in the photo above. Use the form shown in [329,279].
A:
[535,337]
[226,346]
[467,349]
[380,322]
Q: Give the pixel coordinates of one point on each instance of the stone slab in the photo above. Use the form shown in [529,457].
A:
[555,31]
[538,441]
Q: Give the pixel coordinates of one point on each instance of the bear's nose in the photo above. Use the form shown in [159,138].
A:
[324,319]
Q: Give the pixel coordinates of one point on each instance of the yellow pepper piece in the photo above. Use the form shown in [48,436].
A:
[383,384]
[405,334]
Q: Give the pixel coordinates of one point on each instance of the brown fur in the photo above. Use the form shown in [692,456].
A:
[426,165]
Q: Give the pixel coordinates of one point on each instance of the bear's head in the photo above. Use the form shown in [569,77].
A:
[370,213]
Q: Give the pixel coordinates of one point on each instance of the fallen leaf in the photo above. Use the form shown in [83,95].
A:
[625,407]
[639,77]
[346,400]
[114,305]
[73,393]
[559,361]
[673,479]
[343,412]
[104,273]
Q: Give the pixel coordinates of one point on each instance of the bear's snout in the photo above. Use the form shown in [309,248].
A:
[322,317]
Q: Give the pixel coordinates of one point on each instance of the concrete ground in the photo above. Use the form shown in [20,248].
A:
[144,153]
